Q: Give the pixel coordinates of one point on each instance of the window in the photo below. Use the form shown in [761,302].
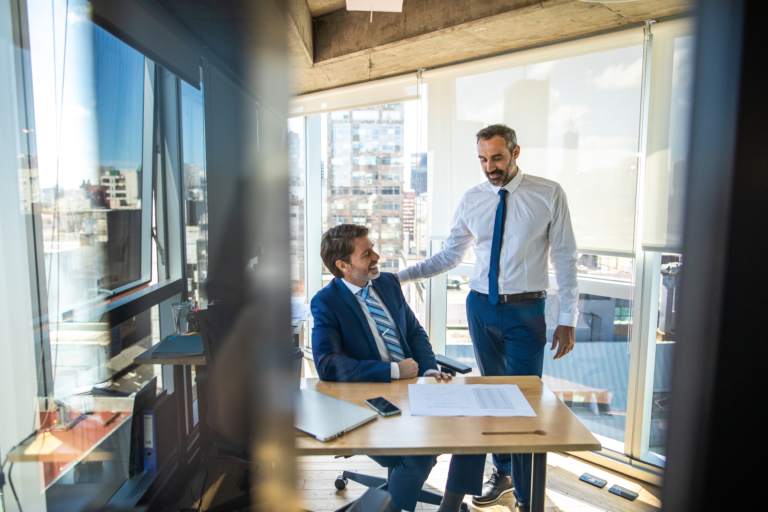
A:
[297,200]
[365,115]
[95,192]
[195,191]
[390,205]
[380,133]
[111,234]
[390,191]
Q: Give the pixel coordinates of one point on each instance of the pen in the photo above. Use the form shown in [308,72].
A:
[111,420]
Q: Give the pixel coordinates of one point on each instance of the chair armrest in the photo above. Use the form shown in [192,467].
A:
[451,366]
[374,500]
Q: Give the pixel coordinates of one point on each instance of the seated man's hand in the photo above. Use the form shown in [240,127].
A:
[441,376]
[408,368]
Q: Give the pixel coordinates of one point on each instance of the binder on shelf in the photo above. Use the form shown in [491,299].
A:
[150,441]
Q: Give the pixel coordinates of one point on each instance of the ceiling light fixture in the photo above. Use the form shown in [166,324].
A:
[375,5]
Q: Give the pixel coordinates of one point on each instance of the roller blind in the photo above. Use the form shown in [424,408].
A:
[378,92]
[576,110]
[668,129]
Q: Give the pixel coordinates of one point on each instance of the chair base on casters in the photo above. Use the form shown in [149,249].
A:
[428,497]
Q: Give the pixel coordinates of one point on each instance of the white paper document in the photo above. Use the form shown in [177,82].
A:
[299,312]
[468,400]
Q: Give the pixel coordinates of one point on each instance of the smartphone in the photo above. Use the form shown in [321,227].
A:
[383,406]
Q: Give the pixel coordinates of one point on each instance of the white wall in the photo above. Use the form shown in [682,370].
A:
[18,382]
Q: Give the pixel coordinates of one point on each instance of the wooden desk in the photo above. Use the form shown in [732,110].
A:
[555,427]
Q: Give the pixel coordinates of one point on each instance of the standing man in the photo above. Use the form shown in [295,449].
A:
[515,220]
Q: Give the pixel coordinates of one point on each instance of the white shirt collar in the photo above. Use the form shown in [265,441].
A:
[512,185]
[353,287]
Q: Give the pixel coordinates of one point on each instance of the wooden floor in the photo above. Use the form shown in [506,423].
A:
[316,475]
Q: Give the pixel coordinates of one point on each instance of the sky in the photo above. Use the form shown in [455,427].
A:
[88,94]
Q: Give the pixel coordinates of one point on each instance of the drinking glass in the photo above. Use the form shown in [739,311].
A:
[181,312]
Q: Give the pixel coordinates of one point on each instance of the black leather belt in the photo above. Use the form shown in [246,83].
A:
[517,297]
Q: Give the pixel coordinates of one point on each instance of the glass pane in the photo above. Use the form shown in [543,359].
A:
[458,343]
[297,189]
[375,176]
[592,380]
[666,336]
[610,267]
[195,190]
[576,120]
[89,118]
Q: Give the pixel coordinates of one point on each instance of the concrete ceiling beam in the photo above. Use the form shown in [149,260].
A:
[429,33]
[300,40]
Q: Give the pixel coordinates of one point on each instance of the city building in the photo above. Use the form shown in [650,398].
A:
[365,175]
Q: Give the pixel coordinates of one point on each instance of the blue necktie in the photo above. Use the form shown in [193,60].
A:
[498,230]
[388,334]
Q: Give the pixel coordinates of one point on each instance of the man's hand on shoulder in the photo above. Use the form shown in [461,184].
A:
[408,368]
[564,338]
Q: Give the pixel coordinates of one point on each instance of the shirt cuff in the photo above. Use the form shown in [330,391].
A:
[568,319]
[430,372]
[404,276]
[394,371]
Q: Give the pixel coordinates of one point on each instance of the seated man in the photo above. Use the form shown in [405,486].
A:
[364,331]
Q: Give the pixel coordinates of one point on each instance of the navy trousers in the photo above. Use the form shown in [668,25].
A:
[465,476]
[509,339]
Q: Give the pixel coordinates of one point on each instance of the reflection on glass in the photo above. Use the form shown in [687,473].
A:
[195,190]
[375,176]
[297,194]
[89,119]
[666,336]
[90,166]
[611,267]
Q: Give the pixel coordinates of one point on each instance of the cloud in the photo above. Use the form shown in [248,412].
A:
[80,14]
[563,115]
[540,71]
[77,110]
[618,142]
[619,76]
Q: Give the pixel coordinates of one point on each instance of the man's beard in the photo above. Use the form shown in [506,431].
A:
[364,274]
[504,177]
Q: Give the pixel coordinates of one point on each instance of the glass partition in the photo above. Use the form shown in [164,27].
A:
[578,109]
[195,191]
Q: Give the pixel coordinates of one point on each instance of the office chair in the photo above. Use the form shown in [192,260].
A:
[214,324]
[447,365]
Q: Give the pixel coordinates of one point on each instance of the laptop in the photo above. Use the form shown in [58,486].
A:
[325,417]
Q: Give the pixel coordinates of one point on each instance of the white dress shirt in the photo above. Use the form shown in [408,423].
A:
[537,219]
[383,350]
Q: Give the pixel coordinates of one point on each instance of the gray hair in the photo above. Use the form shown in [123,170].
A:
[501,130]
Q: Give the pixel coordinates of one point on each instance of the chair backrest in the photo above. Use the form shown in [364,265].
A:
[212,341]
[204,324]
[215,323]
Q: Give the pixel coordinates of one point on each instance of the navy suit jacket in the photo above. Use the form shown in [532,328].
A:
[342,342]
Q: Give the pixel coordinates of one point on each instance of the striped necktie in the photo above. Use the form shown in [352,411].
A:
[387,332]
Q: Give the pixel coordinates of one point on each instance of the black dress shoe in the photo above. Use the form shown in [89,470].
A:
[522,507]
[496,487]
